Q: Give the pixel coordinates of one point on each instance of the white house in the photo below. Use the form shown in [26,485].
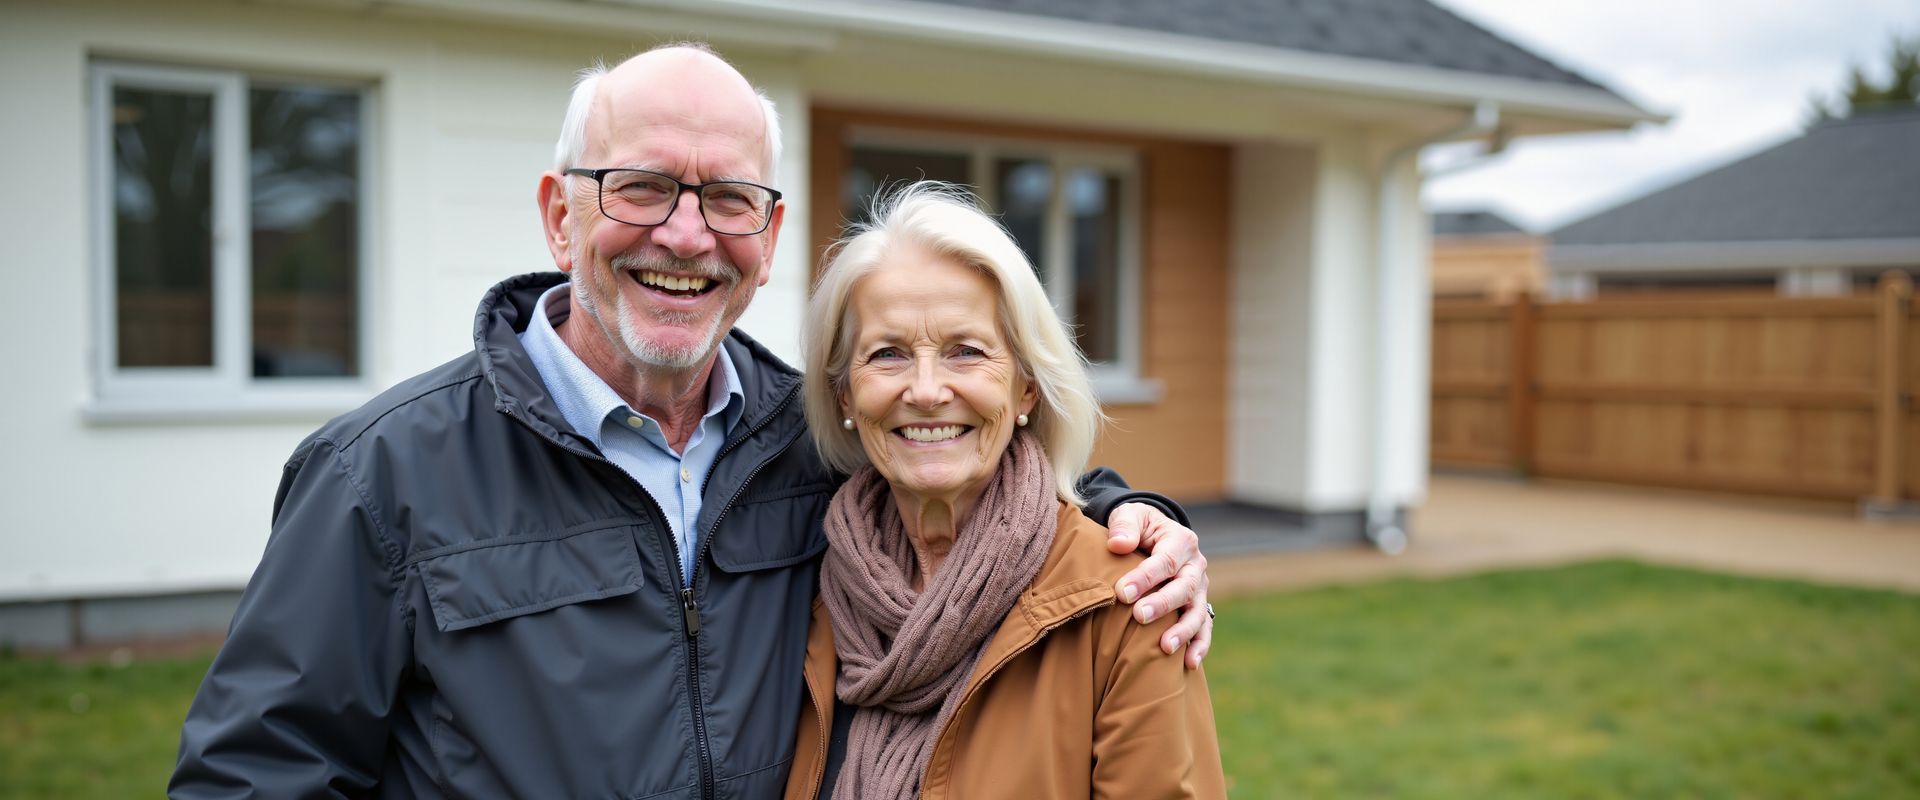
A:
[229,220]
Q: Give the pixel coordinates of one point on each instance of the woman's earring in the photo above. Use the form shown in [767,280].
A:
[1020,420]
[847,423]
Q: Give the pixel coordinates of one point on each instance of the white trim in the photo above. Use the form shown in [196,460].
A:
[232,233]
[1056,244]
[117,590]
[599,18]
[1814,282]
[103,351]
[980,158]
[1133,329]
[228,166]
[366,325]
[1572,286]
[1721,256]
[304,400]
[227,389]
[988,146]
[1126,390]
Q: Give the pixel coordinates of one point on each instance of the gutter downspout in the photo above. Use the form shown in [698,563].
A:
[1383,526]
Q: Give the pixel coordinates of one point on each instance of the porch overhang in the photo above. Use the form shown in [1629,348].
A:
[1531,107]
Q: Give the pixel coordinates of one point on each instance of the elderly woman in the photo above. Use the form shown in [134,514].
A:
[967,642]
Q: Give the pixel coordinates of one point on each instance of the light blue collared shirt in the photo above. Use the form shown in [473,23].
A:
[629,439]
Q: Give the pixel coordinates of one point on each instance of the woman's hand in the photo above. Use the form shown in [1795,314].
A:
[1175,568]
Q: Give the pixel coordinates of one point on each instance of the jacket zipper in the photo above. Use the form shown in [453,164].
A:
[689,607]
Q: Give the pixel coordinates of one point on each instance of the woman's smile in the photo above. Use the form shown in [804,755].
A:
[930,435]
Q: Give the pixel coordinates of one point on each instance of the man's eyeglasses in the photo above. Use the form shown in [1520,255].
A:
[639,197]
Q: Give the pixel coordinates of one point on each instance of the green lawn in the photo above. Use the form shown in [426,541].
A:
[1609,679]
[1601,680]
[92,730]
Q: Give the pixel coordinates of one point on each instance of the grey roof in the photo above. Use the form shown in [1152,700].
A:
[1472,223]
[1404,31]
[1855,178]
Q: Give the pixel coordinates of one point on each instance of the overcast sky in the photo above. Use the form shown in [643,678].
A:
[1735,77]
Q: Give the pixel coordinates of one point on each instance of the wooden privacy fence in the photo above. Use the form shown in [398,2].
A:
[1792,396]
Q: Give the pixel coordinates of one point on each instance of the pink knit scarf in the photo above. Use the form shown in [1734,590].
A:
[905,656]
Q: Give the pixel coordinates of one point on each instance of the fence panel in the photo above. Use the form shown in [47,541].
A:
[1797,396]
[1472,384]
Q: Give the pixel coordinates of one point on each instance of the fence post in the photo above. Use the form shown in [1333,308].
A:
[1895,290]
[1520,368]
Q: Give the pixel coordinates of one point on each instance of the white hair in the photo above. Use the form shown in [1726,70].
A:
[945,220]
[573,128]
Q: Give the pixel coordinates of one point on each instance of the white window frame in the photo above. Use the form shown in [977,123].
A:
[226,391]
[1115,382]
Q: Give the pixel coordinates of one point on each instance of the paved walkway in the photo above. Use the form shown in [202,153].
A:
[1471,524]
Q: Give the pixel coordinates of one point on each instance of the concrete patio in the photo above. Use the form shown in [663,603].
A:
[1472,523]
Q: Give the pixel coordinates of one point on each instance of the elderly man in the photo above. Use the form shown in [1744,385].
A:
[579,561]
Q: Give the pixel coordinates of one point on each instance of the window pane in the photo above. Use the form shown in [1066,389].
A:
[305,168]
[1026,186]
[871,169]
[1093,201]
[163,227]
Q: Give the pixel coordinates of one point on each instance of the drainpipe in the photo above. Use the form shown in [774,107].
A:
[1383,528]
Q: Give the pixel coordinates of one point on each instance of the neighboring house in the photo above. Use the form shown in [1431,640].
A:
[232,220]
[1479,254]
[1822,214]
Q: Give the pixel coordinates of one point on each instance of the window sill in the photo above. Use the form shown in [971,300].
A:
[309,405]
[1116,390]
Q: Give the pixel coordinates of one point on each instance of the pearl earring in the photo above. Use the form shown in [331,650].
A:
[1020,420]
[847,423]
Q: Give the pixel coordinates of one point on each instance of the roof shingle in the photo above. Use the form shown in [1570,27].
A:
[1855,178]
[1472,223]
[1404,31]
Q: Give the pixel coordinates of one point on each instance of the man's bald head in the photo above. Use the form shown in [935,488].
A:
[687,77]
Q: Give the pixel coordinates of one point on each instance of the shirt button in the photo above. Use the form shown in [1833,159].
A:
[635,422]
[685,475]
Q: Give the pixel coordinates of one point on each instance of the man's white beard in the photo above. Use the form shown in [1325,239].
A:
[658,355]
[637,347]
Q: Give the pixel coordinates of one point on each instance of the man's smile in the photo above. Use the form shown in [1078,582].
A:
[673,285]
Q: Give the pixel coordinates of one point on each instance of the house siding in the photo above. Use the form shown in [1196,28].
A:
[1178,444]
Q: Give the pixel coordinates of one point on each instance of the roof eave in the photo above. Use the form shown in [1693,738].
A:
[1717,256]
[819,24]
[1571,106]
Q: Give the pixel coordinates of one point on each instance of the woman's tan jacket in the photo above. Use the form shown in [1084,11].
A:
[1070,698]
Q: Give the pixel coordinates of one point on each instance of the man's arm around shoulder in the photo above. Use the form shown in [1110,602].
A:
[297,703]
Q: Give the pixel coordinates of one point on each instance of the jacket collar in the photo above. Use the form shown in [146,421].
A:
[765,381]
[1077,577]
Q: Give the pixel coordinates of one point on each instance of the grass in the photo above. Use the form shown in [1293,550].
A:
[1609,679]
[105,729]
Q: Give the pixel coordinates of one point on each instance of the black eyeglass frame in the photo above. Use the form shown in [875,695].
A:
[600,197]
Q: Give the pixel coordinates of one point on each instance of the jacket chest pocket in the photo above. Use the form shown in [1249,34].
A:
[772,530]
[518,645]
[478,583]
